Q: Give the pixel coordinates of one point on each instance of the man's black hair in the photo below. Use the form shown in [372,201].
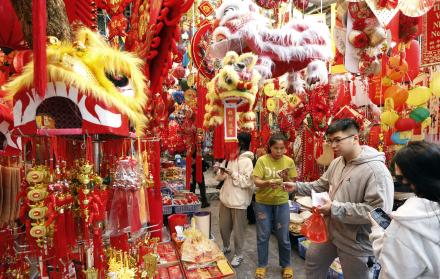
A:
[343,125]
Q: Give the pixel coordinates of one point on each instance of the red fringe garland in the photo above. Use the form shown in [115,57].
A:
[39,22]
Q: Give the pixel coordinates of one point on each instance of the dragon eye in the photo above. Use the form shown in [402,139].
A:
[117,80]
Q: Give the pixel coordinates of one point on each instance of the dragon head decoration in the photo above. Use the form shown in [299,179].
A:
[105,84]
[237,82]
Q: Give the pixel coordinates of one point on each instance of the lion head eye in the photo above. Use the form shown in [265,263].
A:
[117,80]
[229,10]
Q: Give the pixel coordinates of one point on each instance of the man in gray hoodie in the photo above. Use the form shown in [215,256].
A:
[357,182]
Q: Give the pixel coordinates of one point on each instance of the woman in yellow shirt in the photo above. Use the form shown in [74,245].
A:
[272,207]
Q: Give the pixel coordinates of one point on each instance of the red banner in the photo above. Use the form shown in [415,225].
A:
[431,36]
[230,123]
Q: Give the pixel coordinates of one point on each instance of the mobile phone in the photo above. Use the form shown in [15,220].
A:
[222,168]
[381,218]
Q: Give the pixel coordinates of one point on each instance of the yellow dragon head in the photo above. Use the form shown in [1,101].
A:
[237,81]
[101,81]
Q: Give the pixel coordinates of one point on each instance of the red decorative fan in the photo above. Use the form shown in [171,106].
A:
[415,8]
[199,47]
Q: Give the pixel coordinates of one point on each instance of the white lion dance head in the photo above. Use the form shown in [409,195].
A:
[300,44]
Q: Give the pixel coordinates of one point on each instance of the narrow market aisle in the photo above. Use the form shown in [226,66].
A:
[247,268]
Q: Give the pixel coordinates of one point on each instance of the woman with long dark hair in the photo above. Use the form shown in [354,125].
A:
[235,197]
[271,206]
[410,246]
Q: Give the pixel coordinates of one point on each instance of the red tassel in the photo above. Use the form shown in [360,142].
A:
[89,149]
[60,236]
[156,173]
[188,169]
[231,150]
[199,168]
[70,228]
[201,102]
[319,147]
[98,251]
[219,142]
[39,22]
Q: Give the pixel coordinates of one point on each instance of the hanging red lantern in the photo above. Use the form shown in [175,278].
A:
[405,124]
[398,94]
[170,81]
[179,72]
[413,59]
[301,4]
[397,68]
[170,104]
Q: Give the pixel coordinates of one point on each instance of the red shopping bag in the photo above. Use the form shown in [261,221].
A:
[315,228]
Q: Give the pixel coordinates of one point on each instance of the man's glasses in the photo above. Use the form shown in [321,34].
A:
[337,140]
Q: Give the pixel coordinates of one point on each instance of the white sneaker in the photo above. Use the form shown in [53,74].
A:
[236,261]
[226,250]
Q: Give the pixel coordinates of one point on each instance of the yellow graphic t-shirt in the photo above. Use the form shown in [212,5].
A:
[267,168]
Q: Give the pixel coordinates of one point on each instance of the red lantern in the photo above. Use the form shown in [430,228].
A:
[413,59]
[397,68]
[170,104]
[179,72]
[398,94]
[301,4]
[405,124]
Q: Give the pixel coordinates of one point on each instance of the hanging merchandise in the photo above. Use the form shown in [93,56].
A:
[365,40]
[164,41]
[231,98]
[124,213]
[289,49]
[199,48]
[110,98]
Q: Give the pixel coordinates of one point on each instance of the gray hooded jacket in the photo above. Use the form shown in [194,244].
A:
[355,188]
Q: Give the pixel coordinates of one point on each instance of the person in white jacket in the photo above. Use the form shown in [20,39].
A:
[235,196]
[410,246]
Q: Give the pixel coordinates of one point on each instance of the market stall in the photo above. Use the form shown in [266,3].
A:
[108,108]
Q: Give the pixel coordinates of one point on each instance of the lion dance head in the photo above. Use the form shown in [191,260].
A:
[237,82]
[105,84]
